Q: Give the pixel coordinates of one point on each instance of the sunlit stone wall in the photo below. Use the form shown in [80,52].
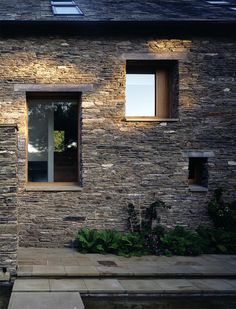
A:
[123,161]
[8,198]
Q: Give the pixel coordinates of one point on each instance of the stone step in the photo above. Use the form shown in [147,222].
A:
[144,271]
[128,286]
[45,300]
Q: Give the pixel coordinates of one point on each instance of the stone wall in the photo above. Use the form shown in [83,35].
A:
[121,161]
[8,197]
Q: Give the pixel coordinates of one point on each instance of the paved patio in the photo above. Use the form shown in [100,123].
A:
[65,270]
[65,262]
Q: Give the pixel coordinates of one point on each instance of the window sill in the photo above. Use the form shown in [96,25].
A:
[52,187]
[196,188]
[151,119]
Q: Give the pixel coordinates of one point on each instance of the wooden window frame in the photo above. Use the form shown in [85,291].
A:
[164,84]
[56,185]
[162,94]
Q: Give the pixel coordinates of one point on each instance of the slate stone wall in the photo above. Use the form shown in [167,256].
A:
[8,197]
[121,161]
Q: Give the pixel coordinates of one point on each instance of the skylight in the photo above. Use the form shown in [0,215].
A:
[218,2]
[228,4]
[65,7]
[62,2]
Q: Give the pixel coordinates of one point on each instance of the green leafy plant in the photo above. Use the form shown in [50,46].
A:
[89,241]
[217,240]
[134,219]
[151,218]
[179,241]
[147,235]
[110,241]
[147,220]
[131,244]
[153,240]
[221,238]
[223,214]
[148,223]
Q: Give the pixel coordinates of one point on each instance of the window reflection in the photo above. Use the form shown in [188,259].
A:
[140,94]
[52,141]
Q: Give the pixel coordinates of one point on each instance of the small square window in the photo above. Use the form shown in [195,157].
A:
[198,172]
[151,89]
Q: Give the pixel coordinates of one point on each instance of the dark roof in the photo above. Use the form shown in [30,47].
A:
[120,10]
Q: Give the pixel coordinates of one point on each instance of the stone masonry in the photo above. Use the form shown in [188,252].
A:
[8,198]
[121,161]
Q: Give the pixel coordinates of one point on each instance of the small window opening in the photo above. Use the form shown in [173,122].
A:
[151,89]
[198,172]
[65,8]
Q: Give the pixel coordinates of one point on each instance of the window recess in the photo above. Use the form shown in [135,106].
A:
[198,171]
[151,90]
[198,168]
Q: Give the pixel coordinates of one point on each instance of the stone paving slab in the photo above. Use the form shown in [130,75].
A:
[215,269]
[31,285]
[103,286]
[114,271]
[152,270]
[178,286]
[85,262]
[41,270]
[138,286]
[69,285]
[32,261]
[25,271]
[81,270]
[70,261]
[45,300]
[215,284]
[128,286]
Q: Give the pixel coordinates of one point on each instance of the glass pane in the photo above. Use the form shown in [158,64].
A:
[66,10]
[65,142]
[140,94]
[59,141]
[62,3]
[218,2]
[52,141]
[39,115]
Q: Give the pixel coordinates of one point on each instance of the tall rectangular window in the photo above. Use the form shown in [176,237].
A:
[52,140]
